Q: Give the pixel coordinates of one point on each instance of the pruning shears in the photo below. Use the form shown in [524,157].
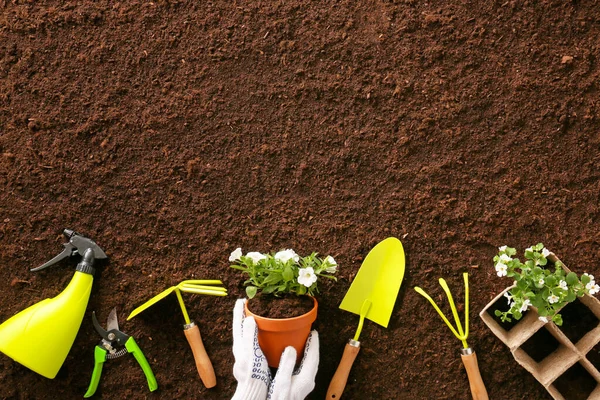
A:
[115,344]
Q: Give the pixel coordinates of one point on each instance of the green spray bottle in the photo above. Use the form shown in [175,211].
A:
[41,336]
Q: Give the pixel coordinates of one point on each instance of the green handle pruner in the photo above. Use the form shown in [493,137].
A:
[108,349]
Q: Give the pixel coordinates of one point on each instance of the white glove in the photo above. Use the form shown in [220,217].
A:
[252,371]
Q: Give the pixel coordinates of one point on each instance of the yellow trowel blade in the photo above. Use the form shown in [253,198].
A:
[377,280]
[151,302]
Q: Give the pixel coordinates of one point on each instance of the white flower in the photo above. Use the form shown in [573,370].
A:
[553,299]
[595,289]
[502,248]
[286,255]
[306,276]
[543,319]
[563,285]
[504,258]
[529,249]
[255,256]
[501,269]
[236,254]
[590,285]
[331,265]
[525,305]
[541,281]
[545,252]
[508,297]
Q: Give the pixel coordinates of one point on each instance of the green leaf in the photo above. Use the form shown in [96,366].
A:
[557,319]
[550,280]
[517,315]
[497,313]
[542,261]
[585,279]
[570,296]
[251,291]
[522,284]
[288,274]
[572,278]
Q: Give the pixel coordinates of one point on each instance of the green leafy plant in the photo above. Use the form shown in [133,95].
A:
[284,272]
[536,286]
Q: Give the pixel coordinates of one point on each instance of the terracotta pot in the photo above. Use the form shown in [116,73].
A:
[275,334]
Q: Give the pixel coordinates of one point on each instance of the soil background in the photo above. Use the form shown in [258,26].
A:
[172,132]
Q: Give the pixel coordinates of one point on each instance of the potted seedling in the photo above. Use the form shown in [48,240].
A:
[557,319]
[277,282]
[538,287]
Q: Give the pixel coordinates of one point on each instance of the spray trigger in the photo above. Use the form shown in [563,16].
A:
[77,245]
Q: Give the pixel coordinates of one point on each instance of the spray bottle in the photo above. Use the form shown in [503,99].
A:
[41,336]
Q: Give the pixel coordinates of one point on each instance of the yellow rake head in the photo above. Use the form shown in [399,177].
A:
[458,332]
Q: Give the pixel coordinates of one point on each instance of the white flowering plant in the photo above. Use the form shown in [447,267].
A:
[284,272]
[537,286]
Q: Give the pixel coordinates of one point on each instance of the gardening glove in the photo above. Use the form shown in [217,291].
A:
[290,384]
[250,368]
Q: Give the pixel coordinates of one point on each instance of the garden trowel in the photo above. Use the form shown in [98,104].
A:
[372,295]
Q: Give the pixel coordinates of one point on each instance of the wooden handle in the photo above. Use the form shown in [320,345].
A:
[477,387]
[203,364]
[338,382]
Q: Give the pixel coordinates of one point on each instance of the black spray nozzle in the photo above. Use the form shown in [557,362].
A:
[78,245]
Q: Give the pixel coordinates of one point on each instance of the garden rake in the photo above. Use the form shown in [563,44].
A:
[468,355]
[191,330]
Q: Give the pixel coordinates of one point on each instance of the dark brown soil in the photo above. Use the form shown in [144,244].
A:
[576,383]
[172,132]
[577,321]
[540,345]
[280,307]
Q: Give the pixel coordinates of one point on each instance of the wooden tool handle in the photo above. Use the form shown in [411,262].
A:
[477,387]
[338,382]
[203,364]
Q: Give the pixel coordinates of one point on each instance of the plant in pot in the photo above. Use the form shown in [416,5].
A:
[537,286]
[281,288]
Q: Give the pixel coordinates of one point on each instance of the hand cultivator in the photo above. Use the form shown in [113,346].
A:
[467,354]
[190,329]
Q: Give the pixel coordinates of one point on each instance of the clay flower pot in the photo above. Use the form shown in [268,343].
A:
[275,334]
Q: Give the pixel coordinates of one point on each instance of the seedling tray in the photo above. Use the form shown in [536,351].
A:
[563,364]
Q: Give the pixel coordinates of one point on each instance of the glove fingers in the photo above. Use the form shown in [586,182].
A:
[238,317]
[303,381]
[280,388]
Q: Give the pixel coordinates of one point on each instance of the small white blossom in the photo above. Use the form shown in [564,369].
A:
[525,305]
[594,289]
[331,265]
[553,299]
[529,249]
[545,252]
[505,258]
[590,285]
[501,269]
[255,256]
[502,248]
[286,255]
[563,285]
[541,281]
[508,297]
[306,276]
[236,254]
[543,319]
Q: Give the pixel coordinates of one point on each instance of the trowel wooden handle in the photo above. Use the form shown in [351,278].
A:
[477,387]
[338,382]
[203,364]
